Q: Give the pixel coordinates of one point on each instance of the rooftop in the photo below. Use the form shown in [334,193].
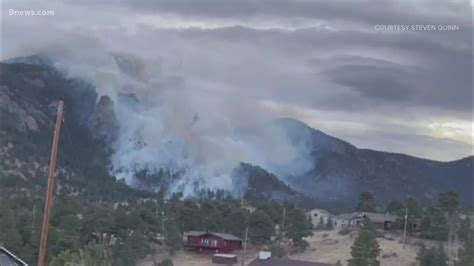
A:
[9,259]
[220,235]
[374,217]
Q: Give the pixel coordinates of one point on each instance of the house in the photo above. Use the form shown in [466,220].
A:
[264,259]
[338,221]
[317,214]
[345,220]
[211,242]
[380,220]
[8,259]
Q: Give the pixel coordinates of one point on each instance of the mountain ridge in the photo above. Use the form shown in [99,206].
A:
[339,170]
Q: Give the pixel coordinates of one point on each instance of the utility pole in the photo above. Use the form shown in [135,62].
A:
[283,220]
[245,246]
[33,220]
[405,227]
[49,191]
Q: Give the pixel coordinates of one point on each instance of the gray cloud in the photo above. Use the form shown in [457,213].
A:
[321,56]
[369,11]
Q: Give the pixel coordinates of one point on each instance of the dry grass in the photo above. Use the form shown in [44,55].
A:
[325,246]
[329,247]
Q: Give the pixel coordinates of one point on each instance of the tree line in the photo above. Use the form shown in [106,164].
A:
[121,233]
[441,222]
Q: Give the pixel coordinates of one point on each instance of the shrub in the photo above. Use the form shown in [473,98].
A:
[277,251]
[344,231]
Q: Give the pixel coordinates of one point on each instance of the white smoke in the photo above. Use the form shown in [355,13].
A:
[166,122]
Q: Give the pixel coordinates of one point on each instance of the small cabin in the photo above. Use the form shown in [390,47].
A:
[210,242]
[227,259]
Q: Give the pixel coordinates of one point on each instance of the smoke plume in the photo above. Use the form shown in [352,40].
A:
[167,123]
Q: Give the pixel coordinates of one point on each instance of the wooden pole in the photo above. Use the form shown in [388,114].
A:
[245,246]
[405,227]
[49,191]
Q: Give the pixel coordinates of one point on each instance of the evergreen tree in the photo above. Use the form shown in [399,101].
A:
[432,256]
[277,251]
[466,256]
[396,207]
[261,227]
[321,223]
[465,229]
[134,247]
[366,202]
[365,249]
[449,202]
[434,225]
[329,223]
[298,226]
[65,258]
[173,237]
[415,210]
[236,222]
[272,209]
[9,234]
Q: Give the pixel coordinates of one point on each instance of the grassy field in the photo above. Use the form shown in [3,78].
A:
[324,246]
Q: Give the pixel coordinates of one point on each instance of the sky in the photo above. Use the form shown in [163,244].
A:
[390,75]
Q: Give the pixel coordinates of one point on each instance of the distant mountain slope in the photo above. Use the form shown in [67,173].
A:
[28,99]
[341,171]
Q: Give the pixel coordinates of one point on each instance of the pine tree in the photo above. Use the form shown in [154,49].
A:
[329,224]
[442,256]
[466,256]
[9,234]
[298,226]
[174,240]
[433,256]
[321,223]
[261,227]
[434,225]
[464,230]
[449,203]
[365,249]
[366,202]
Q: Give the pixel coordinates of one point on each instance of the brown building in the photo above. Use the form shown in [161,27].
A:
[211,242]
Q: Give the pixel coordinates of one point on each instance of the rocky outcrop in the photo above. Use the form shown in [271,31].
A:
[25,121]
[104,123]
